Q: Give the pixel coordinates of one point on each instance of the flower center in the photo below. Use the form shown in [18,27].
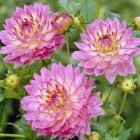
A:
[26,25]
[106,44]
[55,99]
[29,26]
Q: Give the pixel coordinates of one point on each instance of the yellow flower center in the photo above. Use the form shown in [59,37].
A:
[55,99]
[107,44]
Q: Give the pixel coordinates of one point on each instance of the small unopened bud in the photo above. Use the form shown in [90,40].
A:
[128,85]
[118,118]
[63,22]
[77,22]
[12,81]
[94,136]
[137,22]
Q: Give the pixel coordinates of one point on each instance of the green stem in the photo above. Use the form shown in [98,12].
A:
[12,135]
[68,48]
[2,112]
[107,98]
[98,5]
[101,95]
[103,86]
[83,30]
[122,104]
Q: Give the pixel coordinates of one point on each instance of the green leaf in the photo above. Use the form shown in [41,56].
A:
[111,15]
[7,65]
[125,134]
[73,61]
[64,4]
[137,34]
[87,11]
[71,6]
[10,93]
[16,126]
[2,70]
[108,136]
[60,56]
[98,127]
[1,97]
[2,83]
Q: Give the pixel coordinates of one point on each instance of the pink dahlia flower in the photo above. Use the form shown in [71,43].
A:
[108,48]
[30,35]
[60,102]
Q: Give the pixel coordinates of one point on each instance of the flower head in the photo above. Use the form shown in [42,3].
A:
[108,48]
[30,35]
[60,102]
[62,22]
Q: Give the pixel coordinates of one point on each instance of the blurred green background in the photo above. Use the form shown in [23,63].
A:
[128,10]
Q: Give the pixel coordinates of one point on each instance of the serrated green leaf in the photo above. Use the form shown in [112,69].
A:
[64,4]
[70,6]
[87,11]
[111,15]
[10,93]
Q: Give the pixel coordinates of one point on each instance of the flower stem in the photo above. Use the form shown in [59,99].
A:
[68,48]
[107,98]
[103,86]
[101,96]
[83,30]
[12,135]
[98,5]
[122,104]
[2,111]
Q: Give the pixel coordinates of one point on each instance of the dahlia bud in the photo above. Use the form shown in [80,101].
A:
[63,22]
[137,22]
[12,81]
[94,136]
[77,22]
[128,85]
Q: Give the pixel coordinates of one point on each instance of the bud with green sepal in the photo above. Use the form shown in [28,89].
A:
[128,85]
[93,136]
[12,81]
[137,22]
[77,22]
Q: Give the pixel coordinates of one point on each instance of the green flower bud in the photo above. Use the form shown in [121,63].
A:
[137,22]
[94,136]
[77,22]
[128,85]
[12,81]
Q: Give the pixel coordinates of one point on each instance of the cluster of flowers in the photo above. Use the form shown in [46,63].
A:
[60,101]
